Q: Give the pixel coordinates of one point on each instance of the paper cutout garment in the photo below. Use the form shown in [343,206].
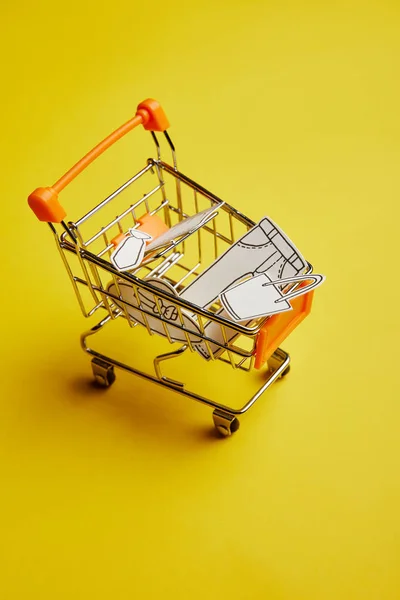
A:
[168,310]
[213,331]
[263,249]
[130,252]
[260,297]
[184,227]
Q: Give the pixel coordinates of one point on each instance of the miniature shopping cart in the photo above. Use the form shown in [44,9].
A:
[160,196]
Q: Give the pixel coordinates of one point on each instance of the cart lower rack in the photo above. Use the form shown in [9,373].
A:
[153,294]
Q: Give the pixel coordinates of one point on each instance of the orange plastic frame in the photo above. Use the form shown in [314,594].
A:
[279,326]
[151,224]
[44,200]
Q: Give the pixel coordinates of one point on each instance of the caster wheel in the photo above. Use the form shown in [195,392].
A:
[225,423]
[103,372]
[285,372]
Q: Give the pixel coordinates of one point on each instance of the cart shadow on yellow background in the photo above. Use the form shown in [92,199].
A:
[164,415]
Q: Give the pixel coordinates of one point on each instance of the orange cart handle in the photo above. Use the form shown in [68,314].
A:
[44,200]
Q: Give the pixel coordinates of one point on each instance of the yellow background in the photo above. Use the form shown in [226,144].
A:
[289,109]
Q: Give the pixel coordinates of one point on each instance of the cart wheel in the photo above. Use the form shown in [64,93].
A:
[103,372]
[225,423]
[285,372]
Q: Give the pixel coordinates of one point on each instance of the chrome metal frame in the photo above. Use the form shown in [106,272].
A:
[90,276]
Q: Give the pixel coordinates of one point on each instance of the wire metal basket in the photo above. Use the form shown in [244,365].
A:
[146,295]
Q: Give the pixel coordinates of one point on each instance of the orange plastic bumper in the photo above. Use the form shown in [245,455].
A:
[279,326]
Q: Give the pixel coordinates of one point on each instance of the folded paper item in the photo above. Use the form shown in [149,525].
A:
[261,297]
[160,315]
[263,249]
[130,252]
[183,228]
[213,331]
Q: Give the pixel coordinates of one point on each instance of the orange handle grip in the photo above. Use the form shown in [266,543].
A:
[44,200]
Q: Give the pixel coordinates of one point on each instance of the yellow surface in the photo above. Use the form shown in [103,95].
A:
[289,109]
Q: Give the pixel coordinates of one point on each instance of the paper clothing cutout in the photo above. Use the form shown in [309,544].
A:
[213,331]
[130,252]
[263,249]
[260,297]
[168,310]
[184,227]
